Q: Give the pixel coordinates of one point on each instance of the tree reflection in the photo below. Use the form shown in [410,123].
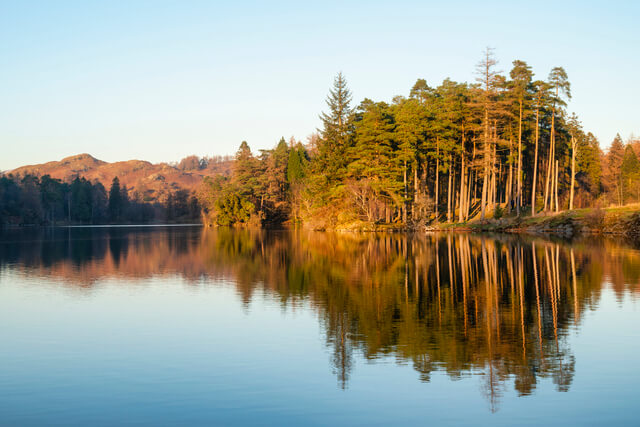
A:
[461,304]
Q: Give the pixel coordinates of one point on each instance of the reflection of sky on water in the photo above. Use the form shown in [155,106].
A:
[166,349]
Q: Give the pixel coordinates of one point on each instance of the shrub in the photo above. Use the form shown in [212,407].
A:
[498,212]
[595,218]
[232,209]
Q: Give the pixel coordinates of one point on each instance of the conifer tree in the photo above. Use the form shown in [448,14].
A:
[297,164]
[630,175]
[541,90]
[559,83]
[521,76]
[614,163]
[589,165]
[487,79]
[372,168]
[411,126]
[115,200]
[421,91]
[277,171]
[245,171]
[336,132]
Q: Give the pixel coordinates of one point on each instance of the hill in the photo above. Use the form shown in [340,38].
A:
[153,182]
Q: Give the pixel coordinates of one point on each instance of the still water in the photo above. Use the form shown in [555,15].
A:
[184,325]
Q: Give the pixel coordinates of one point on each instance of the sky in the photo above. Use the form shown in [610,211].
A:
[160,80]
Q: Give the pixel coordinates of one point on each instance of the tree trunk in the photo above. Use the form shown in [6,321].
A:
[509,186]
[437,176]
[487,155]
[471,191]
[416,187]
[519,190]
[556,187]
[547,195]
[574,146]
[492,194]
[462,196]
[425,177]
[449,191]
[535,167]
[404,202]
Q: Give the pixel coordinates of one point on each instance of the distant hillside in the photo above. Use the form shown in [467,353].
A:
[152,181]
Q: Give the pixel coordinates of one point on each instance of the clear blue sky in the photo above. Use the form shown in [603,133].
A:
[162,80]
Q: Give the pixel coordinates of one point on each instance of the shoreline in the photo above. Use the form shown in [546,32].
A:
[615,221]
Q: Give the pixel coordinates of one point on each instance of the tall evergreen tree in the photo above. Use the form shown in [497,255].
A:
[245,172]
[412,121]
[421,91]
[297,164]
[115,201]
[99,204]
[487,79]
[337,130]
[541,96]
[614,159]
[589,159]
[371,169]
[630,175]
[521,76]
[559,83]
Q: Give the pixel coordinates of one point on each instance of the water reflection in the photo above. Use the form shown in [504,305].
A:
[500,307]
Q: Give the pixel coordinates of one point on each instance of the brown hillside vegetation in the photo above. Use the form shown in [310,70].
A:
[152,182]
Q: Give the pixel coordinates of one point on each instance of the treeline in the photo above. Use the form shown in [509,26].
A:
[32,200]
[502,145]
[219,164]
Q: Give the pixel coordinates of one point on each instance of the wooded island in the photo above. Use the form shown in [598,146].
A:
[503,145]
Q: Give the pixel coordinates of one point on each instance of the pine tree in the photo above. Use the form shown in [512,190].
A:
[521,76]
[99,203]
[487,80]
[614,163]
[372,170]
[337,130]
[541,90]
[630,175]
[277,171]
[125,209]
[590,165]
[559,83]
[115,201]
[297,164]
[412,121]
[449,115]
[245,172]
[421,91]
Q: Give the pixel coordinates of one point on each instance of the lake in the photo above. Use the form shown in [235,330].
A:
[194,326]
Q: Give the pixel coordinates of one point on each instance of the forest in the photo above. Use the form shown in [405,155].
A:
[33,200]
[502,145]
